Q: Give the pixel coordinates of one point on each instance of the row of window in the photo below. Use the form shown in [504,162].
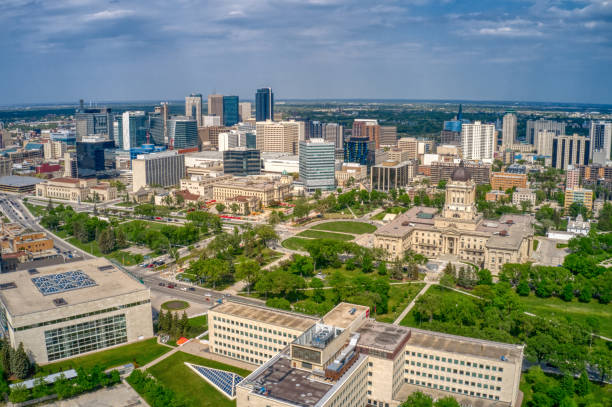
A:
[456,371]
[459,381]
[253,327]
[454,361]
[87,314]
[255,344]
[241,357]
[247,350]
[249,335]
[453,389]
[85,337]
[352,392]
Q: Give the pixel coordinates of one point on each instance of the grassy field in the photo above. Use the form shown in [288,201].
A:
[173,373]
[91,247]
[125,258]
[318,234]
[346,227]
[399,298]
[294,243]
[197,325]
[36,210]
[571,311]
[175,305]
[435,291]
[139,353]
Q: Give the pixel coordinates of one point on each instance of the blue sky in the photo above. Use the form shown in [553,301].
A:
[540,50]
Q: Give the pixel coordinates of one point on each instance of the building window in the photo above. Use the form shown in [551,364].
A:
[85,337]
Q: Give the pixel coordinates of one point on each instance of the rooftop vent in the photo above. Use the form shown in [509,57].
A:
[33,271]
[8,286]
[59,302]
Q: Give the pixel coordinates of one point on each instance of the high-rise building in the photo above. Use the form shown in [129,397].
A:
[392,175]
[317,164]
[158,129]
[193,107]
[572,177]
[54,150]
[570,150]
[244,111]
[208,121]
[93,121]
[6,166]
[182,132]
[251,140]
[410,145]
[230,110]
[215,106]
[509,129]
[95,157]
[279,137]
[601,142]
[360,150]
[388,136]
[544,142]
[70,165]
[367,128]
[231,139]
[450,137]
[477,141]
[579,195]
[164,169]
[162,111]
[133,129]
[264,104]
[241,162]
[533,127]
[314,129]
[334,132]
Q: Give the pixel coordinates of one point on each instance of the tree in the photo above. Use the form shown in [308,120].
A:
[418,399]
[605,217]
[19,394]
[568,292]
[106,240]
[20,364]
[279,303]
[485,277]
[184,324]
[522,288]
[249,271]
[446,402]
[583,387]
[274,218]
[6,355]
[266,233]
[602,361]
[235,208]
[220,207]
[317,194]
[301,209]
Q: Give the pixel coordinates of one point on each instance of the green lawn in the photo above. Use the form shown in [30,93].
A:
[91,247]
[197,325]
[399,298]
[36,210]
[318,234]
[139,353]
[125,258]
[295,243]
[173,373]
[435,291]
[571,311]
[346,227]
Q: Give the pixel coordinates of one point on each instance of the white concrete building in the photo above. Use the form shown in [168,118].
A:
[523,194]
[163,169]
[477,141]
[509,129]
[69,309]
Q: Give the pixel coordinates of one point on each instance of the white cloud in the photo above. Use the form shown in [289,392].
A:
[108,15]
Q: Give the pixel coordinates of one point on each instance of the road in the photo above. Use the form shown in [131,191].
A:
[13,209]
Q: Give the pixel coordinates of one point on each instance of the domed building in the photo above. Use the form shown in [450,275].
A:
[459,230]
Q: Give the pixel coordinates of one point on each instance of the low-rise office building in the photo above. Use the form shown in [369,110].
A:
[76,190]
[202,185]
[69,309]
[523,195]
[347,359]
[25,241]
[503,181]
[266,191]
[392,175]
[351,173]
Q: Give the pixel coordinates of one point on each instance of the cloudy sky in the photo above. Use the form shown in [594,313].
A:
[538,50]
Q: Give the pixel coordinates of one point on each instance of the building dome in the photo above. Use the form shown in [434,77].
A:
[460,174]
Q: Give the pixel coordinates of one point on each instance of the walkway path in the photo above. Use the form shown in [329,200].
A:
[411,305]
[162,357]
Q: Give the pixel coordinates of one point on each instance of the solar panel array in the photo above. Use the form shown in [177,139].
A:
[59,283]
[222,380]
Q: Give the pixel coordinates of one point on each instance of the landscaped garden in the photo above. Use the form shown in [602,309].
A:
[187,385]
[336,230]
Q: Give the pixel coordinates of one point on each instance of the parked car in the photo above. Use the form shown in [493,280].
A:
[171,286]
[162,284]
[183,288]
[191,288]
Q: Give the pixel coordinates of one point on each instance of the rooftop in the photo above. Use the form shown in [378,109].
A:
[382,336]
[267,315]
[415,216]
[463,400]
[342,315]
[282,382]
[465,346]
[76,283]
[65,180]
[17,181]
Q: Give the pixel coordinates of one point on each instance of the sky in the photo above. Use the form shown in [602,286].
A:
[118,50]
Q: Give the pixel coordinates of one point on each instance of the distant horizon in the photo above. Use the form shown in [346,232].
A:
[110,102]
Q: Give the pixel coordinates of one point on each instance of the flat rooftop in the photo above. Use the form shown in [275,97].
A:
[404,223]
[282,382]
[463,399]
[267,315]
[342,315]
[465,346]
[18,181]
[86,281]
[379,335]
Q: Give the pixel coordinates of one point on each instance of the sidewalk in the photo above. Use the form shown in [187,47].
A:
[411,305]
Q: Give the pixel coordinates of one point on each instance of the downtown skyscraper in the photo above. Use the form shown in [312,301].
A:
[264,104]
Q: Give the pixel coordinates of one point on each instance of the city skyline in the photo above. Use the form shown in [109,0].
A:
[514,51]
